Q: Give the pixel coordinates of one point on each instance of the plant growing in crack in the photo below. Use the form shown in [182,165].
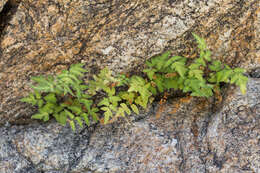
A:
[69,99]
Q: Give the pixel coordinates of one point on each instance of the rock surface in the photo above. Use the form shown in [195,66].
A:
[2,3]
[199,141]
[43,37]
[191,135]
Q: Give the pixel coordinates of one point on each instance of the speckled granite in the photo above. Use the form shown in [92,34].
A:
[186,138]
[46,36]
[191,135]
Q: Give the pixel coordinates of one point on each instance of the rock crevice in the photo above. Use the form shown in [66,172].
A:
[190,135]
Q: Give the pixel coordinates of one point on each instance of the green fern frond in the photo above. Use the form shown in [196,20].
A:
[51,98]
[134,108]
[61,118]
[69,114]
[41,116]
[85,117]
[79,121]
[72,125]
[201,42]
[174,59]
[125,108]
[29,99]
[108,114]
[215,66]
[128,96]
[43,84]
[77,70]
[75,109]
[239,79]
[180,67]
[158,61]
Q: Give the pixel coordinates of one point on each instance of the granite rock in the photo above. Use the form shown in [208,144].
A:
[188,136]
[44,37]
[184,135]
[2,3]
[7,10]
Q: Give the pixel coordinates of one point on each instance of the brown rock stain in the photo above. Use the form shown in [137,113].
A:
[57,27]
[177,105]
[201,106]
[8,41]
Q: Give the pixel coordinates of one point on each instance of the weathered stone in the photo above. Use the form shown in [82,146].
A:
[255,73]
[191,135]
[44,37]
[187,137]
[7,9]
[2,3]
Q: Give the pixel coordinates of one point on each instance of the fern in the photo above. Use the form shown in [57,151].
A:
[239,79]
[141,87]
[201,42]
[44,84]
[69,99]
[101,81]
[171,68]
[66,86]
[129,97]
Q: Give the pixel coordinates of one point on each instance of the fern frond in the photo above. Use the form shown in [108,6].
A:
[134,108]
[239,79]
[94,114]
[128,96]
[61,118]
[85,117]
[201,42]
[79,121]
[180,68]
[29,99]
[158,61]
[72,125]
[108,114]
[75,109]
[51,98]
[125,108]
[69,114]
[77,70]
[87,103]
[43,84]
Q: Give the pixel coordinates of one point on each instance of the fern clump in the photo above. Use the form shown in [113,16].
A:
[63,97]
[69,99]
[166,72]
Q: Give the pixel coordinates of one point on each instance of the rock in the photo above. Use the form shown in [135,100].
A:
[7,9]
[188,137]
[44,37]
[191,135]
[2,3]
[255,73]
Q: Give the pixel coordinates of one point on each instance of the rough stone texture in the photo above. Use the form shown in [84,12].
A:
[2,3]
[186,138]
[44,37]
[191,135]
